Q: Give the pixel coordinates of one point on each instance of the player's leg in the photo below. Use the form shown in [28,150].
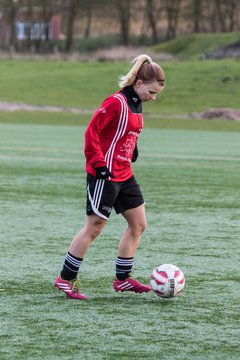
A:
[100,199]
[136,224]
[67,281]
[130,203]
[92,228]
[79,246]
[128,244]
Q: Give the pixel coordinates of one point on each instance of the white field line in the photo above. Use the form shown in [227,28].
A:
[36,149]
[40,158]
[152,156]
[147,155]
[190,157]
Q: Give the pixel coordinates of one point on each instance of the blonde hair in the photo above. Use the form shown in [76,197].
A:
[144,69]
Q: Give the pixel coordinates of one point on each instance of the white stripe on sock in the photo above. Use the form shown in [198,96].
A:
[73,261]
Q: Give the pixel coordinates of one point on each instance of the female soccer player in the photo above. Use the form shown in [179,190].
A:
[110,147]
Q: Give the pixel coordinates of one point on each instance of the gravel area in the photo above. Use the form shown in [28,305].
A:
[221,113]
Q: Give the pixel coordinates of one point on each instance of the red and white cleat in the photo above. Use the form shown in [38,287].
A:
[71,288]
[130,284]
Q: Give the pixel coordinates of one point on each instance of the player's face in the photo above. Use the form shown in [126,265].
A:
[147,91]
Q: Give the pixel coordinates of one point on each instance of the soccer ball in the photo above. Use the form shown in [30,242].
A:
[167,280]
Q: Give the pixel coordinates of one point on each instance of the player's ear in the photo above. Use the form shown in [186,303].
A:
[138,83]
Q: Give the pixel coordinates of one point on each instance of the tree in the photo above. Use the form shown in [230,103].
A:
[220,17]
[232,11]
[153,9]
[124,12]
[224,15]
[72,12]
[172,8]
[88,9]
[74,7]
[197,14]
[10,8]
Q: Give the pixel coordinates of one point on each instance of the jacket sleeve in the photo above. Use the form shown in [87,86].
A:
[108,112]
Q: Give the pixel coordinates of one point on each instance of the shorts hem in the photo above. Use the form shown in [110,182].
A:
[89,213]
[129,208]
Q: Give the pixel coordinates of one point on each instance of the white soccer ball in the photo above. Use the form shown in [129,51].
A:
[167,280]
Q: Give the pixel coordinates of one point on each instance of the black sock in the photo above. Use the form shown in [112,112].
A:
[71,267]
[123,267]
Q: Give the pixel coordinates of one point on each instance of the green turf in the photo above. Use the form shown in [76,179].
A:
[190,86]
[190,180]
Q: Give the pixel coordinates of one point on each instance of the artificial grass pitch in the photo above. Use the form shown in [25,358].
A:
[190,180]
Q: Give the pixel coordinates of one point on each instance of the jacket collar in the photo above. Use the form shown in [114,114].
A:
[132,95]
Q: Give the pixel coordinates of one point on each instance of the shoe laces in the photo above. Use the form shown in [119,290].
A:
[76,286]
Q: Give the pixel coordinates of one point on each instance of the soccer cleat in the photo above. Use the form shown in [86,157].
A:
[71,288]
[130,284]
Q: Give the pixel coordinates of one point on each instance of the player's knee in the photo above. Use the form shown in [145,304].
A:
[143,226]
[94,233]
[139,228]
[96,229]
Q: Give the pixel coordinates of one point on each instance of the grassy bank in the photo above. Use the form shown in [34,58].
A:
[190,86]
[197,46]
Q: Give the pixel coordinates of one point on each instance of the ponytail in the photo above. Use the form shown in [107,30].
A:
[145,69]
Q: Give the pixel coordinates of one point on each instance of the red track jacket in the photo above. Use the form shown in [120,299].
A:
[112,134]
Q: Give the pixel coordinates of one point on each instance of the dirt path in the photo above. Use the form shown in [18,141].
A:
[221,113]
[12,107]
[6,106]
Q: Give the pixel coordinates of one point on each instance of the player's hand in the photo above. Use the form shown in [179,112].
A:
[103,172]
[135,154]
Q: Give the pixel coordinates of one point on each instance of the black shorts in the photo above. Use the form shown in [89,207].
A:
[103,195]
